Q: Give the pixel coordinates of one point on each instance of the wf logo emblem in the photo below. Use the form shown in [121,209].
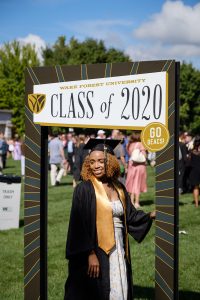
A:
[36,102]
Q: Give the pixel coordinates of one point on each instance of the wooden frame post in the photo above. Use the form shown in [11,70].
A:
[35,231]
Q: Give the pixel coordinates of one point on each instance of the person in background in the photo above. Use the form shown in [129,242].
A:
[195,170]
[92,136]
[50,137]
[151,158]
[65,147]
[79,155]
[137,174]
[1,150]
[4,152]
[189,141]
[56,159]
[10,147]
[182,162]
[120,154]
[125,144]
[114,134]
[17,149]
[76,160]
[23,157]
[70,151]
[101,134]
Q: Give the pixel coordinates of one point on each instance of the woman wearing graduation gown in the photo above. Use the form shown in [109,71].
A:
[101,217]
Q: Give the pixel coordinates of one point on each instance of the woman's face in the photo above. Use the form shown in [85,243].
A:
[97,163]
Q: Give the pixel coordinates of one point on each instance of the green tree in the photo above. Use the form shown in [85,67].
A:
[189,98]
[75,53]
[14,58]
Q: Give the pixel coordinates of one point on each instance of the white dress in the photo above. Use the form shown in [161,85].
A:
[118,276]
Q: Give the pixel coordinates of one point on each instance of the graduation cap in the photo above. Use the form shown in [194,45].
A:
[104,145]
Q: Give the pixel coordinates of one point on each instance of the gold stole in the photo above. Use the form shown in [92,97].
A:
[104,218]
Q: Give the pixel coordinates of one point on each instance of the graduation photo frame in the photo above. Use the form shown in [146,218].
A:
[131,95]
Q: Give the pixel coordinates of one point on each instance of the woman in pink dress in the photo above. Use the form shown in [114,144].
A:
[136,175]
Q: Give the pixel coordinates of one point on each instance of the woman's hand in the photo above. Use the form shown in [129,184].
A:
[93,265]
[153,215]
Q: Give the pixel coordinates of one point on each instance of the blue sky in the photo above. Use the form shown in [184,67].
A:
[146,30]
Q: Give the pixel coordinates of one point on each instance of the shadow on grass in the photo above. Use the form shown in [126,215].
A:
[148,293]
[65,183]
[21,223]
[146,202]
[9,167]
[193,202]
[186,203]
[186,295]
[141,292]
[60,184]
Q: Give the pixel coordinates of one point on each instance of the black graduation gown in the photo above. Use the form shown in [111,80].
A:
[82,239]
[194,176]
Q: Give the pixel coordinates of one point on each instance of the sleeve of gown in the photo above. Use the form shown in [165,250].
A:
[80,239]
[138,222]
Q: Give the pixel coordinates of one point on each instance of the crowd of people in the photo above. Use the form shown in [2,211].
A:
[67,153]
[133,174]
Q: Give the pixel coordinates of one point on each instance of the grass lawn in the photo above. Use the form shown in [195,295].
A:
[59,203]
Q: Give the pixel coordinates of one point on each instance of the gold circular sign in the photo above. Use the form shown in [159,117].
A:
[155,137]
